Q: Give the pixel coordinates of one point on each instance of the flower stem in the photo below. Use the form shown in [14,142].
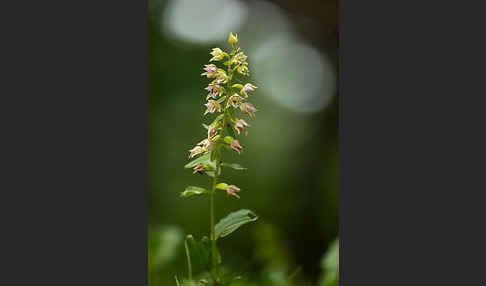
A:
[214,260]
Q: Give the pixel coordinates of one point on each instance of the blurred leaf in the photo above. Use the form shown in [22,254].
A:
[188,283]
[233,166]
[163,246]
[221,100]
[330,265]
[233,221]
[205,126]
[201,160]
[202,251]
[192,190]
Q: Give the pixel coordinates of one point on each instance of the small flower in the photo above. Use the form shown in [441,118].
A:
[235,145]
[232,39]
[212,131]
[196,151]
[211,71]
[243,69]
[247,88]
[214,91]
[247,108]
[232,190]
[217,54]
[235,100]
[240,126]
[239,58]
[207,145]
[199,169]
[212,106]
[221,77]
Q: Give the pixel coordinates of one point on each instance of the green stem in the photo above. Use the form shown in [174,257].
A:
[188,255]
[214,261]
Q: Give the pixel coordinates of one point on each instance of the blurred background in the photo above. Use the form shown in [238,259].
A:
[291,151]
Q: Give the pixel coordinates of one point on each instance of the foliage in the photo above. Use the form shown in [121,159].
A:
[330,266]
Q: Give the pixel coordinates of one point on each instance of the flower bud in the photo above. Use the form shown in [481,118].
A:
[228,139]
[235,145]
[221,76]
[240,126]
[233,39]
[212,131]
[211,71]
[243,69]
[196,151]
[217,54]
[247,88]
[248,108]
[199,169]
[207,145]
[232,190]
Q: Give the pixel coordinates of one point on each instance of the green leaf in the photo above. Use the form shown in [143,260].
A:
[205,126]
[204,159]
[233,221]
[330,265]
[218,118]
[234,166]
[192,190]
[202,251]
[237,85]
[221,100]
[211,173]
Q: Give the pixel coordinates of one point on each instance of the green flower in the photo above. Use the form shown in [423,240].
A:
[217,54]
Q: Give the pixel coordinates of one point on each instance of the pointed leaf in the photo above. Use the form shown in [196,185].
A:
[233,221]
[192,190]
[221,100]
[201,160]
[234,166]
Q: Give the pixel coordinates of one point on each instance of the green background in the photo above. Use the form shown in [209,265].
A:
[291,151]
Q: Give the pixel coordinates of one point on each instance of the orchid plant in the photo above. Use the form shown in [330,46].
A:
[224,97]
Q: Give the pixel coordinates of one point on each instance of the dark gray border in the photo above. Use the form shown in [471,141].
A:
[76,159]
